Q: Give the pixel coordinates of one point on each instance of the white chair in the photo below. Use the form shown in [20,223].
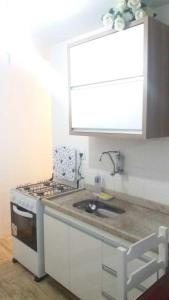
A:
[127,282]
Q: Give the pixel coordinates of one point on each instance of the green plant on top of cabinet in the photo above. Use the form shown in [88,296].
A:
[118,81]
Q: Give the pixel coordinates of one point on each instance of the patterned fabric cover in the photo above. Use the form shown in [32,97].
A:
[65,163]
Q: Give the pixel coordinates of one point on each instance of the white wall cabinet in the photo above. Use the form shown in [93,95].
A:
[117,81]
[106,88]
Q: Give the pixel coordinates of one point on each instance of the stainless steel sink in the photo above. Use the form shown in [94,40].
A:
[99,208]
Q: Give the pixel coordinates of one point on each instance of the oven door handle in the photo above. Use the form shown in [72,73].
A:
[22,213]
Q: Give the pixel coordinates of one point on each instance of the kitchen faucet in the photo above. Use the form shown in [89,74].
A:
[115,161]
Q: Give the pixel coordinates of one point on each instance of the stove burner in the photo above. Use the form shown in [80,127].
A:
[47,183]
[60,187]
[45,188]
[27,188]
[40,193]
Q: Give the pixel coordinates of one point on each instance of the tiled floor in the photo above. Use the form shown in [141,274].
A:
[16,283]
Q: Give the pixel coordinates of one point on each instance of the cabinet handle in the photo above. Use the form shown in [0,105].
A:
[108,297]
[109,270]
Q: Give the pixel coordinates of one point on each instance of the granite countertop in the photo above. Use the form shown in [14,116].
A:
[138,221]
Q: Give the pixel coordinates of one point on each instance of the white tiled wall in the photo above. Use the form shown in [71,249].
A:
[146,163]
[146,166]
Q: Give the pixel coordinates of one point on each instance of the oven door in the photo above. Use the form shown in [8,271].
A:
[23,225]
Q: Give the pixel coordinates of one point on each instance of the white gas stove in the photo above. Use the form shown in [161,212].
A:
[27,222]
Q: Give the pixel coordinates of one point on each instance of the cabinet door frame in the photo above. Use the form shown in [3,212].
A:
[59,252]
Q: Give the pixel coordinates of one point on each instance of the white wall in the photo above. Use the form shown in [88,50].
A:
[146,162]
[25,133]
[163,13]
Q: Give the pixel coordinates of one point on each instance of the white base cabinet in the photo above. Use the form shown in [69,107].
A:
[73,258]
[84,259]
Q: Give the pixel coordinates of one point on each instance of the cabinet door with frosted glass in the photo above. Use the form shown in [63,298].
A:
[109,57]
[106,83]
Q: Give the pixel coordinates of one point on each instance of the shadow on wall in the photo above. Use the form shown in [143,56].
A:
[144,159]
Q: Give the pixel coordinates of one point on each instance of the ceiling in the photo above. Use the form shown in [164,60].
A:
[89,18]
[156,3]
[52,21]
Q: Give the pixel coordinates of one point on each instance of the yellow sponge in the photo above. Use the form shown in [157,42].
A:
[105,196]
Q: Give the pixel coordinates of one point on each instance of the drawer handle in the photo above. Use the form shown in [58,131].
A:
[109,270]
[112,272]
[108,297]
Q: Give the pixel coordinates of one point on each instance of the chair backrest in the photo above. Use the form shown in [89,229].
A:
[126,281]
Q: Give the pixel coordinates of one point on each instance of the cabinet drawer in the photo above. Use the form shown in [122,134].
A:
[109,258]
[137,263]
[110,288]
[110,273]
[109,285]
